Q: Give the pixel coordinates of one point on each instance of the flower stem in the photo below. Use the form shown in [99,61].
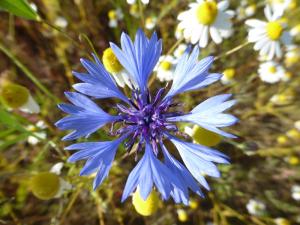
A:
[141,13]
[28,73]
[232,50]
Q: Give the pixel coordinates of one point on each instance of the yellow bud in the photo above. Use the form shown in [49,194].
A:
[293,133]
[111,62]
[45,185]
[193,204]
[182,215]
[145,207]
[112,14]
[14,95]
[207,12]
[205,137]
[282,140]
[293,160]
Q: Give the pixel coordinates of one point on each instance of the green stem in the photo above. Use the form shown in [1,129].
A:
[28,73]
[232,50]
[141,13]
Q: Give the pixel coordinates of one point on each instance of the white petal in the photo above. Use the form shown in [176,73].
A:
[215,35]
[278,50]
[223,5]
[196,35]
[268,13]
[30,106]
[256,23]
[204,37]
[272,50]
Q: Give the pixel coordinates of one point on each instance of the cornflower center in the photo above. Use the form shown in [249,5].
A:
[145,119]
[111,62]
[207,12]
[274,30]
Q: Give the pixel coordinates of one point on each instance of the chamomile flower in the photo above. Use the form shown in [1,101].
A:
[114,15]
[228,76]
[246,10]
[204,19]
[113,66]
[256,207]
[150,22]
[134,10]
[147,121]
[165,68]
[145,2]
[271,72]
[178,52]
[283,98]
[296,192]
[268,36]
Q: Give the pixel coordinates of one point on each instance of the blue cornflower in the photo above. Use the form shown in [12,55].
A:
[147,121]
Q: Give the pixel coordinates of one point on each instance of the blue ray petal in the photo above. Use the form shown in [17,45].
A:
[98,82]
[191,74]
[209,115]
[198,159]
[99,155]
[85,117]
[139,58]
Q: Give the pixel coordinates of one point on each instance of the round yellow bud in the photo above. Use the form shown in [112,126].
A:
[205,137]
[145,207]
[207,12]
[182,215]
[274,30]
[111,62]
[112,14]
[293,133]
[14,95]
[282,140]
[193,204]
[293,160]
[45,185]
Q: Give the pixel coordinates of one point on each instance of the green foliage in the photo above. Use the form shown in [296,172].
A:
[19,8]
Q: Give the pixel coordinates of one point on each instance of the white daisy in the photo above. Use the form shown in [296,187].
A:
[204,19]
[296,192]
[256,207]
[271,72]
[268,36]
[114,16]
[180,50]
[165,68]
[150,22]
[246,10]
[145,2]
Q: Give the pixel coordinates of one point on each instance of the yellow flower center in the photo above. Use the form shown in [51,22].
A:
[229,73]
[272,69]
[45,185]
[274,30]
[205,137]
[293,160]
[14,95]
[145,207]
[207,12]
[182,215]
[165,65]
[111,62]
[112,15]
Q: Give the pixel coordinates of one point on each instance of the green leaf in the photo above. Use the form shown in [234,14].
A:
[19,8]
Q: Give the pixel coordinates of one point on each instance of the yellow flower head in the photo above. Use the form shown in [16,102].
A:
[145,207]
[207,12]
[182,215]
[111,62]
[193,204]
[274,30]
[229,73]
[112,14]
[14,95]
[205,137]
[45,185]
